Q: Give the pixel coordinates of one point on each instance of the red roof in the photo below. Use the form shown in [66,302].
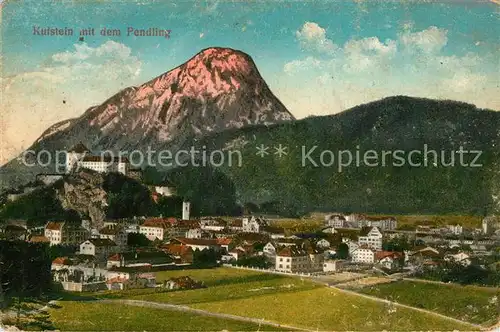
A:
[197,242]
[380,218]
[291,252]
[236,223]
[60,260]
[38,238]
[116,280]
[188,223]
[156,222]
[177,249]
[54,226]
[105,159]
[115,258]
[224,241]
[383,254]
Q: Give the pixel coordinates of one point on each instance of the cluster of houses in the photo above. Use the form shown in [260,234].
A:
[105,260]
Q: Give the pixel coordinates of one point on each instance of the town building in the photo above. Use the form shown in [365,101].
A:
[389,260]
[383,223]
[212,224]
[197,244]
[335,220]
[236,225]
[333,265]
[456,229]
[371,238]
[186,210]
[254,224]
[65,233]
[115,233]
[81,157]
[299,259]
[155,228]
[100,248]
[363,255]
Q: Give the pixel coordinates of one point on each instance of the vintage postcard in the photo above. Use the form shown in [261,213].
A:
[263,165]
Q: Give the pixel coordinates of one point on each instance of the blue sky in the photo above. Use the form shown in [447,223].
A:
[319,57]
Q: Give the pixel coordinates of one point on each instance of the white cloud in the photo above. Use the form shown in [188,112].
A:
[312,37]
[65,87]
[308,63]
[430,40]
[363,70]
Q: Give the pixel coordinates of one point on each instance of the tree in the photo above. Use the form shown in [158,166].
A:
[138,240]
[255,261]
[343,251]
[399,244]
[205,257]
[24,271]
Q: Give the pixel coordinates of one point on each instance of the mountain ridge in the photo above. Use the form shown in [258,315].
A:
[216,89]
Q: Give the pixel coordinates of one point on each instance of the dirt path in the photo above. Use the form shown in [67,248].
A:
[167,306]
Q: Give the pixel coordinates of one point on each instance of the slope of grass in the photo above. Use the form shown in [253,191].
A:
[330,310]
[468,303]
[81,316]
[294,302]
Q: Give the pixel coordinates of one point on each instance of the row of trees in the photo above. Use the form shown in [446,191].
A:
[465,275]
[24,272]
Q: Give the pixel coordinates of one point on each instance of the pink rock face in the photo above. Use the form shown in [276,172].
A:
[216,89]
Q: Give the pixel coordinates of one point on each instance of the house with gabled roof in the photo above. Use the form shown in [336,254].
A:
[196,244]
[364,255]
[60,232]
[303,258]
[371,237]
[115,233]
[100,248]
[389,259]
[155,228]
[254,224]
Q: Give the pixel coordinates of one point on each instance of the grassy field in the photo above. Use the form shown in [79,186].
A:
[439,220]
[81,316]
[281,299]
[294,302]
[468,303]
[329,309]
[316,221]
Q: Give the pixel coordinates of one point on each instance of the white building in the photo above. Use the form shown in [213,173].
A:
[197,244]
[383,223]
[186,209]
[65,233]
[373,239]
[101,248]
[80,157]
[117,234]
[154,229]
[489,224]
[53,232]
[461,258]
[294,259]
[332,265]
[194,233]
[456,229]
[212,224]
[165,191]
[335,220]
[363,255]
[254,225]
[323,243]
[269,250]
